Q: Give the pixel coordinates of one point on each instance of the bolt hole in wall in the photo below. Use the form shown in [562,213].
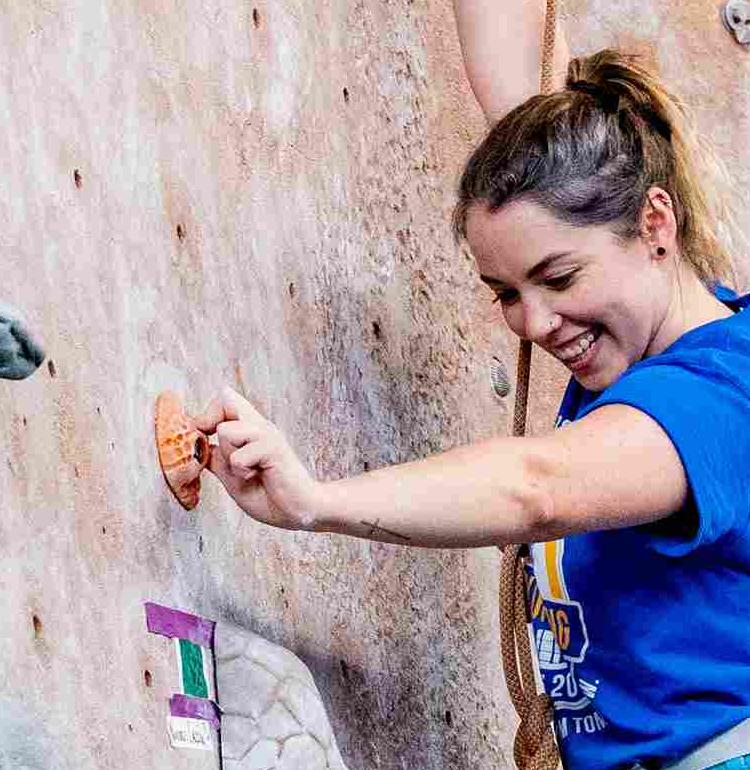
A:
[449,719]
[36,622]
[77,178]
[256,18]
[292,290]
[346,94]
[181,232]
[52,369]
[148,678]
[376,330]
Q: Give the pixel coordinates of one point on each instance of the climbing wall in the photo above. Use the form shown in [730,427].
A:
[231,191]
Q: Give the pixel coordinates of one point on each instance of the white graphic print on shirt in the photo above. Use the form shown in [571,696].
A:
[561,641]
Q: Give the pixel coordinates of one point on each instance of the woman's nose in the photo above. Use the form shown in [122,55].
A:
[538,320]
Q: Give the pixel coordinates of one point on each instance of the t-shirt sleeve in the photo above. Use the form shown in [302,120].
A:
[705,411]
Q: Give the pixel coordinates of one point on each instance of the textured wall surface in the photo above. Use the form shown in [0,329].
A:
[225,191]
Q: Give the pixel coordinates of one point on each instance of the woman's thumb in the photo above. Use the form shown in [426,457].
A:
[218,465]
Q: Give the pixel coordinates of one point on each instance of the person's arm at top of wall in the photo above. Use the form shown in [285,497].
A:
[501,42]
[613,468]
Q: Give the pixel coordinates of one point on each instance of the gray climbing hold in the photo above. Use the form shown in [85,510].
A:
[736,17]
[20,353]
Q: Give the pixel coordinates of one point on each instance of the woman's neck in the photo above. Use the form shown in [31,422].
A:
[692,305]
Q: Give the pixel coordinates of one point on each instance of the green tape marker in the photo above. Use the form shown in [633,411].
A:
[192,666]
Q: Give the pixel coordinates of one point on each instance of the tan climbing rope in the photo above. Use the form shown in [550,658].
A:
[534,747]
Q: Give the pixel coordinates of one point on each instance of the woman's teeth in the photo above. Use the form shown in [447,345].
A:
[577,348]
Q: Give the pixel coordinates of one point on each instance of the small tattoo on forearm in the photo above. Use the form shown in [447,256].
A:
[377,528]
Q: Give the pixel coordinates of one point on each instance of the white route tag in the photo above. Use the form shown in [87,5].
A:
[186,733]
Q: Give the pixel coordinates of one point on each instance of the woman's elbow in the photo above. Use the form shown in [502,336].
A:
[540,519]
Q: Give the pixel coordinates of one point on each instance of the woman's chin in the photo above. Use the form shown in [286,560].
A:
[600,378]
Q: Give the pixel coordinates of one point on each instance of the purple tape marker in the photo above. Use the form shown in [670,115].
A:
[173,623]
[195,708]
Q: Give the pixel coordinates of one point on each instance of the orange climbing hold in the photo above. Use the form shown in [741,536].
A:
[183,450]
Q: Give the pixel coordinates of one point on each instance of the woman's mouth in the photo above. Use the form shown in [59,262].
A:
[579,353]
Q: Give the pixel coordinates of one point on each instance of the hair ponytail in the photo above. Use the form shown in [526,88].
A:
[590,153]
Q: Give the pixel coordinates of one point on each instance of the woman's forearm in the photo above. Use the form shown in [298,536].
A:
[482,494]
[501,42]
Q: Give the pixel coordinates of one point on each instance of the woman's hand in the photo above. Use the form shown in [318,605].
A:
[256,465]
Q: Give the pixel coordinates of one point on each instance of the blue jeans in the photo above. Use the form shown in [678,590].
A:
[738,763]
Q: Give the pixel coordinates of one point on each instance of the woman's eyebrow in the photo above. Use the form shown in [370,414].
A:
[539,267]
[491,281]
[546,262]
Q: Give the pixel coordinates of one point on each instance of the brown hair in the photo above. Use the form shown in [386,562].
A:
[589,154]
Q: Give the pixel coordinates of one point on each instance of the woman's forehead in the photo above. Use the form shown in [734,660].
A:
[518,221]
[522,240]
[520,231]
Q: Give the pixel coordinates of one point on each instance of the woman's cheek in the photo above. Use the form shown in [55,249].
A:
[513,314]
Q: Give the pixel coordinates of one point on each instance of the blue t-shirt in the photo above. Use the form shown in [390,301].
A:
[643,634]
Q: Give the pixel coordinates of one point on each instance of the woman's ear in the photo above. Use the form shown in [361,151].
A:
[658,223]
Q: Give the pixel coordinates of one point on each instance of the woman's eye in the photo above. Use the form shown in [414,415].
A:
[507,296]
[560,282]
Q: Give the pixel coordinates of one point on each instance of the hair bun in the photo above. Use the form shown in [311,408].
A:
[608,100]
[616,81]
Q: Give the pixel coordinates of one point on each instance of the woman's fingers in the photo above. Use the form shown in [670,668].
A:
[241,447]
[235,434]
[230,405]
[210,417]
[238,408]
[247,461]
[237,425]
[232,473]
[254,461]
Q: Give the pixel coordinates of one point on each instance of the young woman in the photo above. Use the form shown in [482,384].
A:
[590,215]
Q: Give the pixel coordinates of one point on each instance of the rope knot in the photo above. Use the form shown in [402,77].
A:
[534,747]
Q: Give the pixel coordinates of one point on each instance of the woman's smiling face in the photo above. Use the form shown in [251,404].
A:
[593,301]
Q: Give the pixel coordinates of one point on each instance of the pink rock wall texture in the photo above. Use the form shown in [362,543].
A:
[258,193]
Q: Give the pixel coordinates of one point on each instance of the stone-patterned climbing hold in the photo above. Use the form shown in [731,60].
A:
[272,715]
[183,450]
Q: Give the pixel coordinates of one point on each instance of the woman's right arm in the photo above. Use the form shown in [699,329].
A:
[501,41]
[615,467]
